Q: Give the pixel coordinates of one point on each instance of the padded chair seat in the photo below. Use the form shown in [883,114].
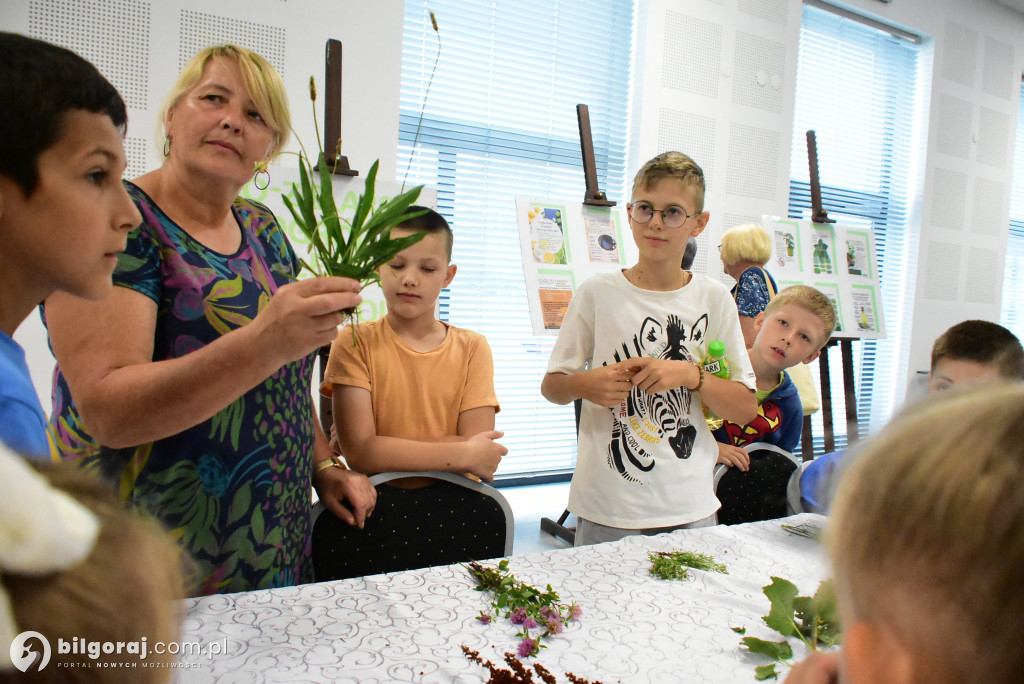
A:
[762,492]
[453,520]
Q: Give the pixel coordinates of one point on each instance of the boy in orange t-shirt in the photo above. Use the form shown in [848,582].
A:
[415,393]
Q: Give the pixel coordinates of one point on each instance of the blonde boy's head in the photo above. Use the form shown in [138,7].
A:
[746,242]
[672,165]
[812,300]
[927,539]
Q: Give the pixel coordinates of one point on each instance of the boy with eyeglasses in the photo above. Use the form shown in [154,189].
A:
[631,346]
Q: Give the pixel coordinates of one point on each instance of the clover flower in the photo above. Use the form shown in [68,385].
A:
[518,616]
[484,618]
[575,612]
[528,647]
[555,626]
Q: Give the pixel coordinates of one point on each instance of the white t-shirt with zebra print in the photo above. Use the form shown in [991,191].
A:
[650,461]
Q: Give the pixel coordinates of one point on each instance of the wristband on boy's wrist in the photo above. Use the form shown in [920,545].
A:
[700,381]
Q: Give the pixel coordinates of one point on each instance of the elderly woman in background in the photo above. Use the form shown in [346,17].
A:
[189,386]
[745,249]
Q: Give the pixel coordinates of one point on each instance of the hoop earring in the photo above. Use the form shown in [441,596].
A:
[256,180]
[167,146]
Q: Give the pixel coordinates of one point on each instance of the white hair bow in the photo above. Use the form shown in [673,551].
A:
[42,530]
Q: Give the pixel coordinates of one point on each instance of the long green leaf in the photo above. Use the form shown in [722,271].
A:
[329,209]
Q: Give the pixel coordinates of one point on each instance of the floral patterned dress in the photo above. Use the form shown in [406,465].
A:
[235,489]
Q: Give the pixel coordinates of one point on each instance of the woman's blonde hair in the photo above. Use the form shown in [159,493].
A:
[927,534]
[261,79]
[127,588]
[746,242]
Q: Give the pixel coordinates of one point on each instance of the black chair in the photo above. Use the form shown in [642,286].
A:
[761,493]
[452,520]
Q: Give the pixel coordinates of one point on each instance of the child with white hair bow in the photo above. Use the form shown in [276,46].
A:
[76,565]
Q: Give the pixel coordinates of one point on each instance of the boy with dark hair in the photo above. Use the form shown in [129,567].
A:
[64,214]
[630,346]
[415,393]
[969,353]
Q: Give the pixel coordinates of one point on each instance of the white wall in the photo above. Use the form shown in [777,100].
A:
[140,47]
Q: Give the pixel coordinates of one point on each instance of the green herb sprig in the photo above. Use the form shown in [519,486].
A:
[672,565]
[525,606]
[803,530]
[339,247]
[814,620]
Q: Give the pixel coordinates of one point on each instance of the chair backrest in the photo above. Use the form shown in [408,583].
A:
[452,520]
[761,493]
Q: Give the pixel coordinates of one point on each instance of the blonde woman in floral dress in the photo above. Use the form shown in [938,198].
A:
[189,386]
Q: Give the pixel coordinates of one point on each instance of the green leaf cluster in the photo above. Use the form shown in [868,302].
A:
[812,619]
[672,565]
[352,249]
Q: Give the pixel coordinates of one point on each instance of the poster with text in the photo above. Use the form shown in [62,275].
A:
[837,260]
[562,245]
[786,248]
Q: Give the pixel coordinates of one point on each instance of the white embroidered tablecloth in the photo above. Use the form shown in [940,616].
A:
[409,626]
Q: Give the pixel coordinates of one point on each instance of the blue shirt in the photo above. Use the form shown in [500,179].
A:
[23,425]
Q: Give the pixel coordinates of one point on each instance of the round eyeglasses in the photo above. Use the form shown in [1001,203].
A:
[673,216]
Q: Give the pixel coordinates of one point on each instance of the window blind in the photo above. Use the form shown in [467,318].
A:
[858,89]
[499,121]
[1012,313]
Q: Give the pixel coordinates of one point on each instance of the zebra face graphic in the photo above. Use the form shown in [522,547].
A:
[644,420]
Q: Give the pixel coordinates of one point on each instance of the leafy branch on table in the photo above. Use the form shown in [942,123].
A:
[813,619]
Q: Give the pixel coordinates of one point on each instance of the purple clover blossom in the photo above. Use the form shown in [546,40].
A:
[527,647]
[529,623]
[555,626]
[575,612]
[518,616]
[549,613]
[485,618]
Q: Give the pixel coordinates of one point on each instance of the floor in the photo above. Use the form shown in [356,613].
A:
[529,505]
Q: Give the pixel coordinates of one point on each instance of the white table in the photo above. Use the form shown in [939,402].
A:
[409,626]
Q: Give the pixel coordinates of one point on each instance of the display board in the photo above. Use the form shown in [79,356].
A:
[563,244]
[840,261]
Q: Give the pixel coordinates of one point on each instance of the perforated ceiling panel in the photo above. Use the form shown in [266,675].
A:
[997,76]
[949,199]
[954,134]
[773,10]
[199,30]
[959,53]
[993,137]
[683,67]
[760,64]
[983,270]
[987,210]
[691,134]
[112,34]
[751,151]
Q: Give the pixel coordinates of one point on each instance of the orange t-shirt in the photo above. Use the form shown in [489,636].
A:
[415,395]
